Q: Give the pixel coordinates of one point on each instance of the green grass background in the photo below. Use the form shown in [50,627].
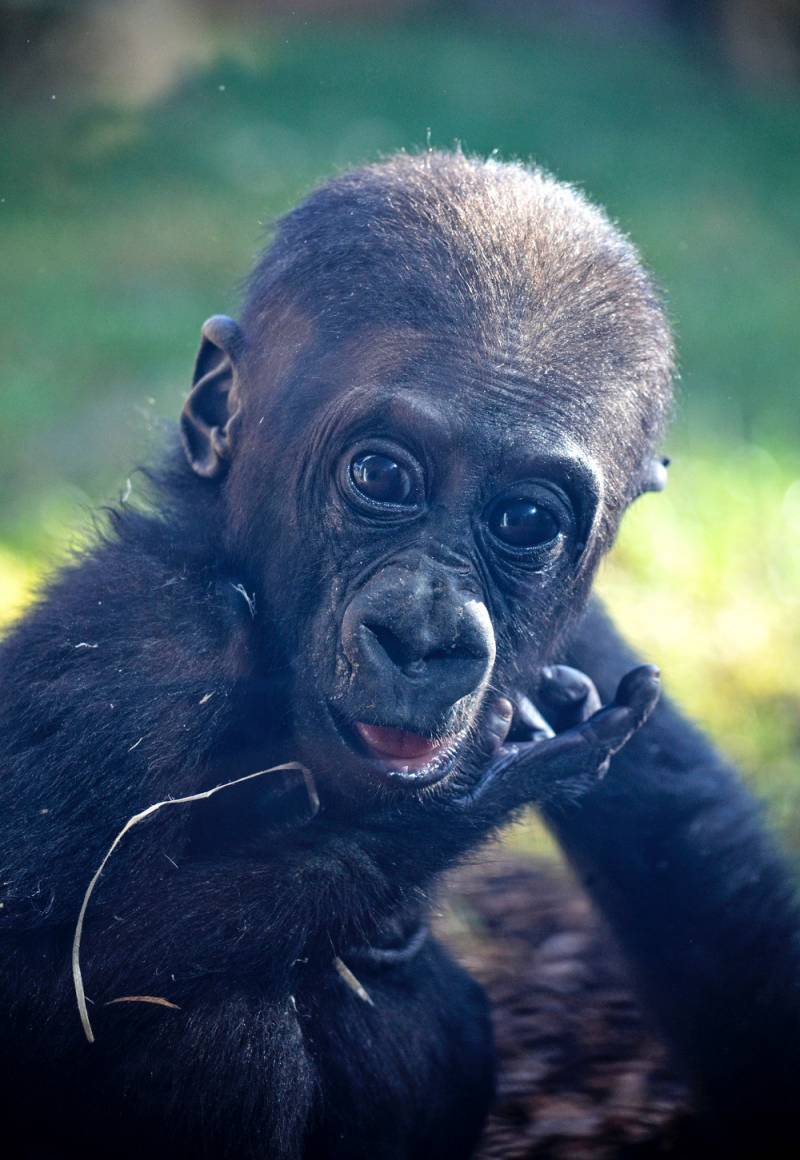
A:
[123,224]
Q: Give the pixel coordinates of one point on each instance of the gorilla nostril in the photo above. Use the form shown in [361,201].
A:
[397,652]
[442,654]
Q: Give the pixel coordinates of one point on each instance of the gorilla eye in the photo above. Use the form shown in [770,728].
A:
[523,523]
[381,478]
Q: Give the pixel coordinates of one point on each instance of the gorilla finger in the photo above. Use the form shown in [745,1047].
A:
[497,725]
[529,724]
[568,695]
[612,727]
[609,729]
[639,690]
[564,684]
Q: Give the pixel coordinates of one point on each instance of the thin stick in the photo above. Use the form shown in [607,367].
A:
[77,976]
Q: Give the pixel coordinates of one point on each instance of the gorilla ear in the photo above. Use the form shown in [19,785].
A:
[213,402]
[654,476]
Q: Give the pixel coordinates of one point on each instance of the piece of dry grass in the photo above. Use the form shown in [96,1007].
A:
[352,981]
[155,999]
[77,976]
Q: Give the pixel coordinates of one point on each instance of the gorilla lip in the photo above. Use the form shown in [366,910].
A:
[398,753]
[411,750]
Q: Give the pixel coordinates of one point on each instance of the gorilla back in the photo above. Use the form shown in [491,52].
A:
[371,553]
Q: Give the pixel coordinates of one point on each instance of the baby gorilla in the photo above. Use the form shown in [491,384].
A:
[373,556]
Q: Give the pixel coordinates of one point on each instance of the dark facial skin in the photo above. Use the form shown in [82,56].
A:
[447,539]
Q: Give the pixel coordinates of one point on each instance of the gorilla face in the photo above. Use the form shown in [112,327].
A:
[426,521]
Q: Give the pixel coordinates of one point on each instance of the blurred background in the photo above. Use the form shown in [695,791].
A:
[148,144]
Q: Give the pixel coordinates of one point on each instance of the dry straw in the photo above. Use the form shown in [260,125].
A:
[77,976]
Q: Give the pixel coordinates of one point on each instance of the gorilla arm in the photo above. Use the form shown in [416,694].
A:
[672,848]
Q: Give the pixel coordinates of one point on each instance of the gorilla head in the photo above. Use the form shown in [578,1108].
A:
[446,388]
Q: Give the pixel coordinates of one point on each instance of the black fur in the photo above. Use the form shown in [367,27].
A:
[201,640]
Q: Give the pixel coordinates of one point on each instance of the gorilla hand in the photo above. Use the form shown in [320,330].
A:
[536,759]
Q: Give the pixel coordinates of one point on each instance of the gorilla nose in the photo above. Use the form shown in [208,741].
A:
[418,654]
[417,639]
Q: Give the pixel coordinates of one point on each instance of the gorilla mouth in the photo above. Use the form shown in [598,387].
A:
[401,754]
[411,750]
